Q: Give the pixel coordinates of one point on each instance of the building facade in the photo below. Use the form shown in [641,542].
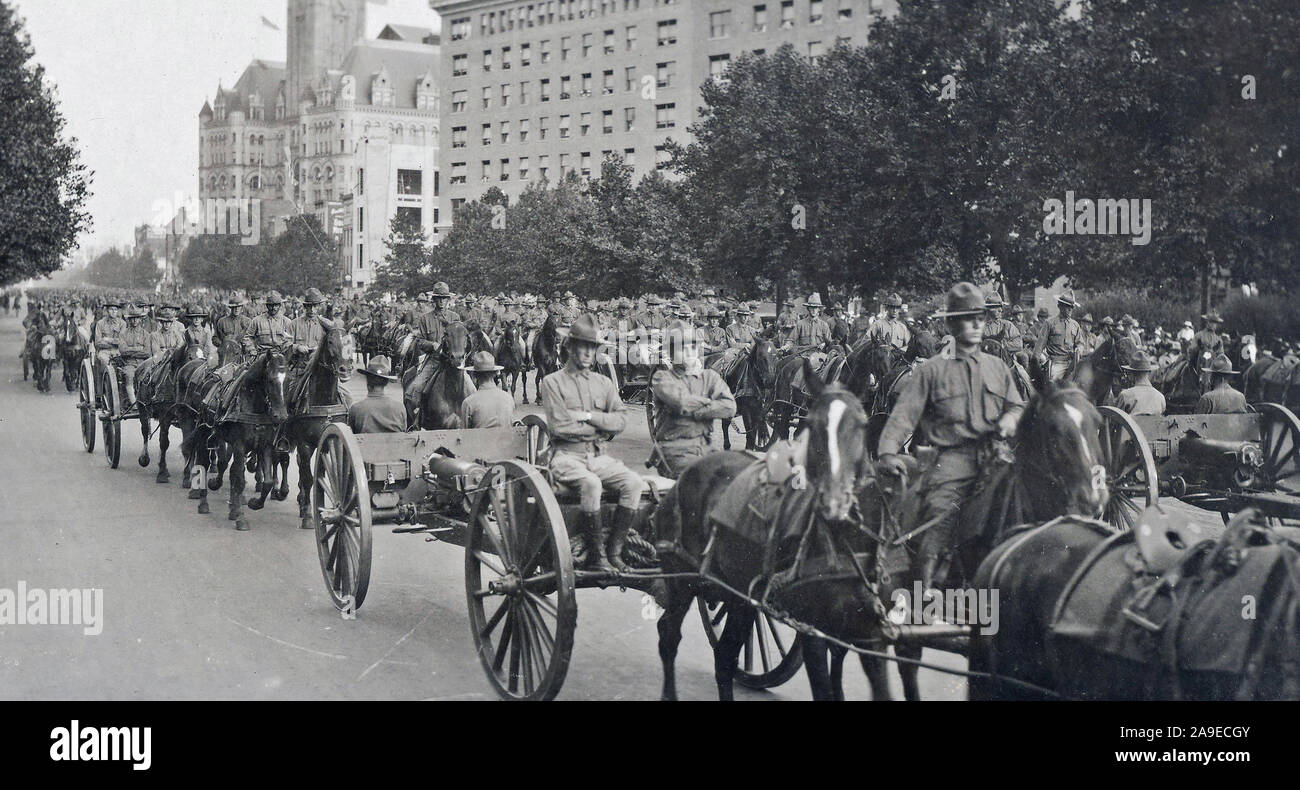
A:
[332,131]
[534,89]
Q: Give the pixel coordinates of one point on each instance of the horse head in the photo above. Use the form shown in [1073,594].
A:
[762,362]
[455,344]
[275,371]
[923,345]
[1058,453]
[837,447]
[335,353]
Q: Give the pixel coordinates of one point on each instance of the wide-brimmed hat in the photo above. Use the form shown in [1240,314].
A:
[440,291]
[653,299]
[313,296]
[107,304]
[743,309]
[1141,363]
[482,362]
[586,330]
[193,310]
[708,292]
[1086,319]
[1107,321]
[893,300]
[1017,309]
[235,301]
[133,311]
[963,299]
[683,311]
[1213,317]
[1221,364]
[992,300]
[422,297]
[274,297]
[814,301]
[1188,324]
[1042,312]
[1067,298]
[379,367]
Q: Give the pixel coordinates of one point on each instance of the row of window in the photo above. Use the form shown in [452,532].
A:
[501,170]
[665,118]
[720,22]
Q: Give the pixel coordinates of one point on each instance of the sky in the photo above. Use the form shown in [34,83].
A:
[131,76]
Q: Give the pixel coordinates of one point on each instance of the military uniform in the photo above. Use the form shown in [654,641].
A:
[136,346]
[429,330]
[107,338]
[1058,339]
[267,332]
[490,407]
[740,334]
[1205,341]
[235,326]
[810,331]
[1141,399]
[168,337]
[688,405]
[579,459]
[307,331]
[1222,400]
[890,331]
[377,413]
[1005,332]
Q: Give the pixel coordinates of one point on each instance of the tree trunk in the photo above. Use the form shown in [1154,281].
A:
[780,294]
[1205,288]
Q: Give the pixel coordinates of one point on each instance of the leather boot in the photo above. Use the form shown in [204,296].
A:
[623,518]
[596,534]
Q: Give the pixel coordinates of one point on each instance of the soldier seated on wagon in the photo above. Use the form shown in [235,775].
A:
[583,411]
[1141,398]
[377,413]
[1222,398]
[690,398]
[134,349]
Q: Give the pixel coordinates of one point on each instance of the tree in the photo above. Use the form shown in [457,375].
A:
[406,266]
[144,269]
[302,257]
[43,182]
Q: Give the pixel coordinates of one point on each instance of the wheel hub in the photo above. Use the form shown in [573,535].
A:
[510,584]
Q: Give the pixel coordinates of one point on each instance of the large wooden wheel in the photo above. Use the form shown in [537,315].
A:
[1279,445]
[772,653]
[538,440]
[1131,475]
[651,410]
[113,420]
[86,405]
[519,584]
[340,507]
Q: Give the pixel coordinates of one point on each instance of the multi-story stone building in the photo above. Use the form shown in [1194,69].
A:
[534,89]
[348,131]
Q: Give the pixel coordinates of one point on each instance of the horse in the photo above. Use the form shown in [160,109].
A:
[316,397]
[1273,380]
[748,377]
[1057,470]
[813,519]
[73,343]
[478,338]
[1083,616]
[789,396]
[1097,373]
[39,350]
[546,352]
[240,409]
[869,363]
[157,397]
[438,406]
[510,353]
[1182,383]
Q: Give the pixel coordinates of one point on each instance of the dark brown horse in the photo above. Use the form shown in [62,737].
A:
[1057,469]
[815,536]
[1098,374]
[749,378]
[510,354]
[316,397]
[438,406]
[73,344]
[157,397]
[545,353]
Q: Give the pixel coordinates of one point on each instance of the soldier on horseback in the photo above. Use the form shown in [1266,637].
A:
[952,402]
[811,331]
[429,330]
[269,331]
[1222,398]
[713,338]
[1206,341]
[690,397]
[232,325]
[1000,329]
[1059,340]
[891,330]
[583,411]
[169,335]
[309,328]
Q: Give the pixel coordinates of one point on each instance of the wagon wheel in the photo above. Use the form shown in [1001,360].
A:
[113,422]
[537,438]
[776,646]
[1131,475]
[1279,434]
[775,424]
[651,410]
[86,405]
[519,584]
[340,512]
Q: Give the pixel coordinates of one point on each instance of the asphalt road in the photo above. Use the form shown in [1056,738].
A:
[195,610]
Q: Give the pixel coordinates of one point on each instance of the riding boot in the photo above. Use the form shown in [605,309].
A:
[623,520]
[597,534]
[929,565]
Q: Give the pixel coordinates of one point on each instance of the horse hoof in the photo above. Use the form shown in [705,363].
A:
[306,524]
[143,460]
[254,504]
[280,496]
[241,525]
[204,509]
[214,484]
[234,515]
[163,477]
[195,494]
[186,482]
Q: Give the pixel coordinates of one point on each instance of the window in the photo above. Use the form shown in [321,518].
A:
[664,73]
[523,168]
[586,44]
[661,157]
[505,94]
[410,182]
[458,100]
[815,51]
[486,136]
[410,215]
[609,42]
[631,36]
[543,162]
[505,58]
[505,170]
[565,85]
[719,21]
[525,55]
[361,256]
[665,116]
[846,11]
[629,74]
[545,49]
[668,32]
[629,156]
[564,165]
[487,60]
[585,164]
[585,123]
[564,127]
[607,82]
[541,127]
[485,170]
[361,176]
[815,12]
[787,14]
[546,90]
[523,130]
[607,121]
[487,96]
[523,92]
[458,136]
[460,28]
[361,220]
[629,118]
[459,65]
[718,66]
[564,48]
[586,85]
[505,132]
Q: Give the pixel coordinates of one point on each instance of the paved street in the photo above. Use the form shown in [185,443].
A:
[196,610]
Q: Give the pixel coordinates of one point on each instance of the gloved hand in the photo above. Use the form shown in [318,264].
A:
[891,465]
[1007,425]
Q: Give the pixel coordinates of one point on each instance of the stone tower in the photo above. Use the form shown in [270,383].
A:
[320,34]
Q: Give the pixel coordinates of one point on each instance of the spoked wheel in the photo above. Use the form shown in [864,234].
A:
[1279,445]
[86,406]
[1131,475]
[113,421]
[775,425]
[538,441]
[340,508]
[772,653]
[519,583]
